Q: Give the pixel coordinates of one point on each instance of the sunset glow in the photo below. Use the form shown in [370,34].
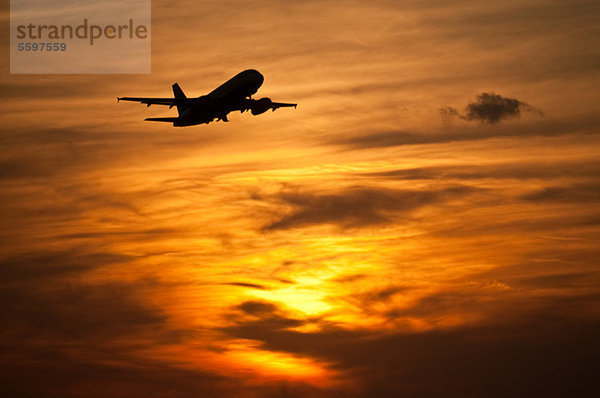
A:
[394,236]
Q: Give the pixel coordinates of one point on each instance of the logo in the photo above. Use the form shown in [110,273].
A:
[74,36]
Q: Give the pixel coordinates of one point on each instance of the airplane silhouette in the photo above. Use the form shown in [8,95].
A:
[233,95]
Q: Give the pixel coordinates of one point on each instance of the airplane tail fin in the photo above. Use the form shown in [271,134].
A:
[179,97]
[178,92]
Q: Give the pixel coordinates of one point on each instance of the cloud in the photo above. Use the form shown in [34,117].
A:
[30,267]
[68,336]
[390,138]
[257,307]
[559,266]
[349,278]
[490,108]
[97,374]
[267,317]
[43,152]
[246,284]
[358,206]
[384,294]
[574,193]
[371,302]
[72,338]
[82,313]
[584,168]
[539,350]
[49,298]
[448,113]
[540,128]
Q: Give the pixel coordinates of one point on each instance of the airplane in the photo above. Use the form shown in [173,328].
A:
[233,95]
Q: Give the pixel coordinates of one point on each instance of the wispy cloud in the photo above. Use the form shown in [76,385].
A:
[584,169]
[357,207]
[585,192]
[247,284]
[466,133]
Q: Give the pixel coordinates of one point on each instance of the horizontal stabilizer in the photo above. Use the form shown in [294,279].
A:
[276,105]
[161,119]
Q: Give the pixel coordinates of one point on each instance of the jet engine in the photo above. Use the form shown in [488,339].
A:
[260,106]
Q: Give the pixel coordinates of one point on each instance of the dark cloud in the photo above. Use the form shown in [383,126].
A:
[526,225]
[358,207]
[70,338]
[21,88]
[30,267]
[258,307]
[490,108]
[575,193]
[585,126]
[367,301]
[560,265]
[448,113]
[98,374]
[42,152]
[81,313]
[385,294]
[76,339]
[246,284]
[514,170]
[543,351]
[268,317]
[562,280]
[392,138]
[51,374]
[34,210]
[134,235]
[48,297]
[349,278]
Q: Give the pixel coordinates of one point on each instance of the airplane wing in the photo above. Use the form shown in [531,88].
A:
[150,101]
[162,119]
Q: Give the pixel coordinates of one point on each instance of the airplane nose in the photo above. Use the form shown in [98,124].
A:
[255,78]
[255,75]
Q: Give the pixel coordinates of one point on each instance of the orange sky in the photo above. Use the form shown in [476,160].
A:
[364,244]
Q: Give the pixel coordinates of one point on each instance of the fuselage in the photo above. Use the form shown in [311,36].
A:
[230,96]
[244,84]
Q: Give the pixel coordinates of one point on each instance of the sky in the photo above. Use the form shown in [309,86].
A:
[424,224]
